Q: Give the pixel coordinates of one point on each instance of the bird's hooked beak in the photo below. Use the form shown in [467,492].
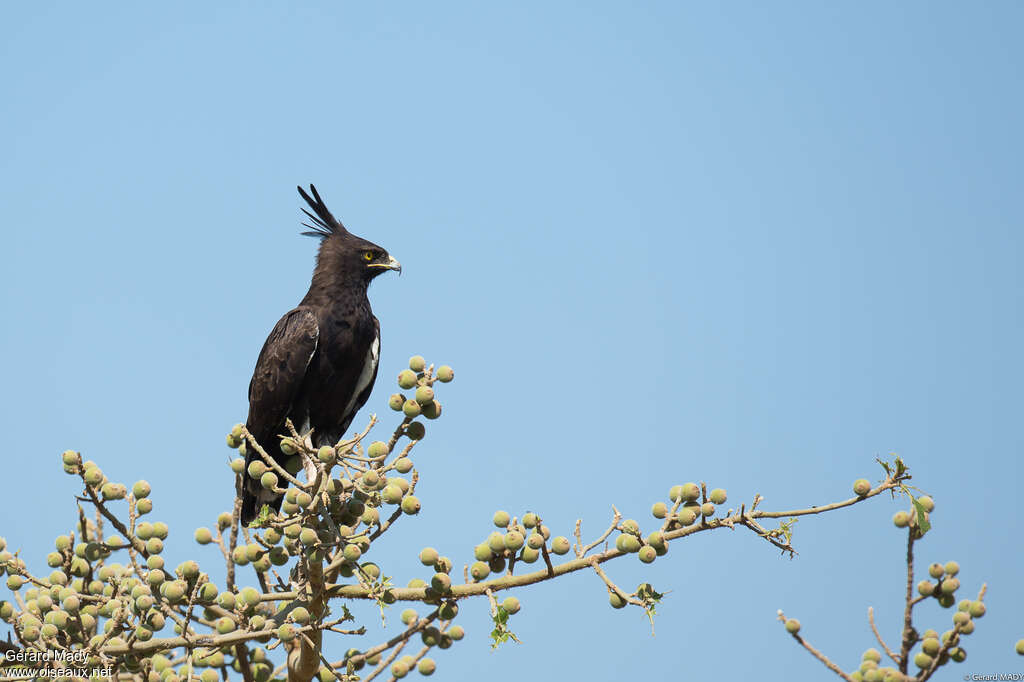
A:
[392,264]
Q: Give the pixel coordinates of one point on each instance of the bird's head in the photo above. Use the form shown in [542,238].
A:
[353,254]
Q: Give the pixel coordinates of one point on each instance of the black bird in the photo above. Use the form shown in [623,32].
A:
[319,363]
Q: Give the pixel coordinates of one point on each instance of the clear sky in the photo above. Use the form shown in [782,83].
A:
[755,244]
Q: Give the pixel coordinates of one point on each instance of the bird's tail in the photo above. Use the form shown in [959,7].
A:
[254,496]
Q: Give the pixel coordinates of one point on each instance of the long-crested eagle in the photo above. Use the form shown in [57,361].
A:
[319,363]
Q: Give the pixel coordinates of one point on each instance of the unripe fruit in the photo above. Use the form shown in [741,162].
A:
[936,570]
[1019,647]
[445,374]
[141,489]
[207,593]
[718,496]
[144,506]
[300,614]
[225,625]
[443,565]
[399,669]
[497,564]
[511,605]
[226,600]
[326,455]
[411,408]
[441,582]
[530,520]
[482,552]
[189,570]
[406,378]
[647,554]
[113,491]
[792,626]
[416,431]
[901,519]
[861,487]
[950,585]
[479,570]
[391,494]
[174,591]
[977,609]
[535,541]
[237,465]
[370,479]
[268,480]
[417,363]
[616,600]
[659,510]
[411,505]
[631,526]
[352,553]
[922,660]
[690,492]
[428,556]
[931,646]
[430,636]
[872,655]
[70,458]
[286,632]
[958,654]
[627,543]
[946,600]
[396,401]
[424,395]
[308,537]
[448,610]
[707,509]
[686,516]
[656,539]
[560,545]
[154,545]
[925,588]
[513,540]
[256,468]
[93,476]
[951,568]
[409,616]
[927,502]
[501,519]
[427,666]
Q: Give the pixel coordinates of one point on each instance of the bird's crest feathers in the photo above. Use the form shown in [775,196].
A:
[324,224]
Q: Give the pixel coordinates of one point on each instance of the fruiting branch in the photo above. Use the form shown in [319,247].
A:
[335,511]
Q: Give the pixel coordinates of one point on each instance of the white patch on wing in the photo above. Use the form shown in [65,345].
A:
[366,376]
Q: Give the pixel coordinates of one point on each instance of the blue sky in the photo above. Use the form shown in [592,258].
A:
[747,244]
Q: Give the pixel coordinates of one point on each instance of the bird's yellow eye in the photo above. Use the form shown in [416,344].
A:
[367,255]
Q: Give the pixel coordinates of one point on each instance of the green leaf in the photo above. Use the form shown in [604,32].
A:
[501,634]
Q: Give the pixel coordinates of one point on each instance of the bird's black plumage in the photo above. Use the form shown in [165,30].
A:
[318,365]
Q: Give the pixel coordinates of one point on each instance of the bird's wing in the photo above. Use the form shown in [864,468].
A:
[280,371]
[373,357]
